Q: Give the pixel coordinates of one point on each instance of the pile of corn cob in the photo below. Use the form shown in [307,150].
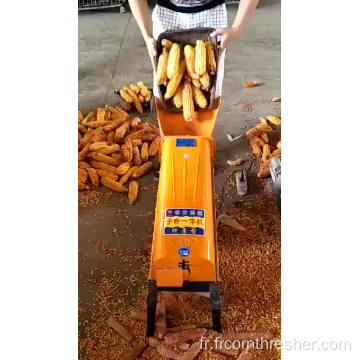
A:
[186,72]
[260,145]
[136,94]
[114,149]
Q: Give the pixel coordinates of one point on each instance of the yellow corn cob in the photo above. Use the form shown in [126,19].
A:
[205,81]
[98,145]
[189,53]
[173,61]
[266,152]
[199,98]
[90,116]
[145,151]
[137,156]
[129,174]
[122,130]
[82,128]
[200,57]
[113,185]
[82,172]
[102,166]
[154,146]
[100,115]
[103,158]
[104,173]
[135,100]
[109,149]
[82,186]
[93,176]
[256,149]
[210,58]
[258,140]
[264,137]
[276,153]
[264,170]
[125,96]
[187,76]
[124,168]
[83,165]
[188,102]
[141,85]
[81,117]
[133,191]
[161,67]
[274,119]
[178,97]
[118,156]
[175,81]
[135,88]
[137,142]
[166,43]
[144,92]
[110,137]
[141,170]
[196,83]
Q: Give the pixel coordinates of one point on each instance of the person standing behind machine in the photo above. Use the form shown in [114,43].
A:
[190,14]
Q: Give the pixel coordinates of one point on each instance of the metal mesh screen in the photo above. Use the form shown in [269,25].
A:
[98,4]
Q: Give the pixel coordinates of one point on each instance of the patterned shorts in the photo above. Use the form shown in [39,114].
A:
[165,19]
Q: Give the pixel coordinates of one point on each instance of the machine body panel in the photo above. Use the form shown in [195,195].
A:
[184,231]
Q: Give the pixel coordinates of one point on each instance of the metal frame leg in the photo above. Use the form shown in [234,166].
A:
[215,306]
[151,308]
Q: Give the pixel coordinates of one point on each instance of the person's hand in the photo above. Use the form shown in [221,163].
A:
[151,48]
[227,36]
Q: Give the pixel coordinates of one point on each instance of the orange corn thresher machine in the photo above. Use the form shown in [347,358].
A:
[184,251]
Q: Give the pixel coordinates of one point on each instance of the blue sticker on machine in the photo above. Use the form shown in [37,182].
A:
[184,222]
[184,251]
[185,142]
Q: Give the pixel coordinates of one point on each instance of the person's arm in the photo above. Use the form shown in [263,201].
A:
[140,10]
[243,15]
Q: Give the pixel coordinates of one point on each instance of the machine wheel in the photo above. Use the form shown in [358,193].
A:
[215,307]
[151,308]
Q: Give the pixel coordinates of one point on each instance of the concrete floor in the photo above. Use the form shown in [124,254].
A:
[112,54]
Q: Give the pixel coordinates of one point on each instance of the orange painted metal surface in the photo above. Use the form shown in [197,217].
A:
[184,242]
[173,124]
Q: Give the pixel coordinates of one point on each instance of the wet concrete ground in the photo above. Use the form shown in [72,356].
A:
[112,54]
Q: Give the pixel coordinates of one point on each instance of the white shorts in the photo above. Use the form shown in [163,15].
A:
[165,19]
